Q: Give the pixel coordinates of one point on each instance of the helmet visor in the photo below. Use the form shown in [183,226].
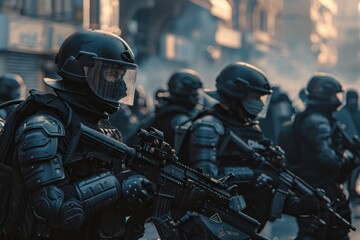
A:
[340,97]
[112,81]
[266,100]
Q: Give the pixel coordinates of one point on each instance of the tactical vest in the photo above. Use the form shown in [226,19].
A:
[226,151]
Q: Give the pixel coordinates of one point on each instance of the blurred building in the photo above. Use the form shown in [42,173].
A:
[262,23]
[31,32]
[324,35]
[321,35]
[200,34]
[310,36]
[347,22]
[165,35]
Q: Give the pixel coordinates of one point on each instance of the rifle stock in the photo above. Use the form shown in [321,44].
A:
[155,159]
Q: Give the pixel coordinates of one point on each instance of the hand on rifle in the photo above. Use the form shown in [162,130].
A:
[137,196]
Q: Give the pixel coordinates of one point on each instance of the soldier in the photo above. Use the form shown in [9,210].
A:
[349,116]
[69,192]
[319,159]
[243,92]
[180,103]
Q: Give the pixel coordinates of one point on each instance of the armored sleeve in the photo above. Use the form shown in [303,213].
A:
[178,119]
[317,131]
[52,198]
[204,139]
[37,151]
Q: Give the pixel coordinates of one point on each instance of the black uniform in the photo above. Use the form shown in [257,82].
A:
[240,89]
[68,190]
[323,168]
[321,162]
[213,150]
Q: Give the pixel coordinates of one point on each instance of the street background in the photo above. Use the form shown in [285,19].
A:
[288,39]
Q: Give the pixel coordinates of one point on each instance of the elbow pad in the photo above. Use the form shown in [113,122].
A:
[205,135]
[92,193]
[319,136]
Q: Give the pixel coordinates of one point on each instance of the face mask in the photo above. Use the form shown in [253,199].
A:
[329,107]
[119,86]
[252,106]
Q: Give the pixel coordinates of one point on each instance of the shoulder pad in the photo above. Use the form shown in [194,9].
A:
[178,120]
[37,137]
[316,126]
[209,121]
[50,125]
[315,119]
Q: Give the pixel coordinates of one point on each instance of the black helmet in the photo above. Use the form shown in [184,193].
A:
[323,90]
[184,81]
[183,87]
[244,84]
[97,62]
[11,87]
[238,79]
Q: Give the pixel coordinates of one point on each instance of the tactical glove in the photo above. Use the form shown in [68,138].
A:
[137,194]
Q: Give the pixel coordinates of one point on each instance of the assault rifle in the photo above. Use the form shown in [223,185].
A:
[155,159]
[287,180]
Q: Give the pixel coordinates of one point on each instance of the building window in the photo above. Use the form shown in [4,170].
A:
[56,10]
[11,4]
[44,8]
